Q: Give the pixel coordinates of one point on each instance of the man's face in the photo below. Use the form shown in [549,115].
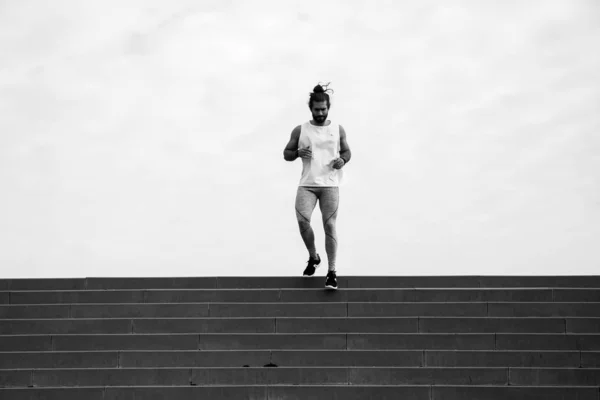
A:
[319,111]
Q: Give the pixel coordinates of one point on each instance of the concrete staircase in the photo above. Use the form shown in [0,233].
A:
[410,338]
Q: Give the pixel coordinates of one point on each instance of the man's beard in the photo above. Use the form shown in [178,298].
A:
[321,118]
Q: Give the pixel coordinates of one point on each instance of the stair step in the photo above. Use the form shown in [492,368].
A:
[590,359]
[316,341]
[498,341]
[300,325]
[37,311]
[300,376]
[99,342]
[554,376]
[582,281]
[59,359]
[503,358]
[345,341]
[492,325]
[415,309]
[512,393]
[555,309]
[526,341]
[78,393]
[419,337]
[299,358]
[313,309]
[299,296]
[42,284]
[296,392]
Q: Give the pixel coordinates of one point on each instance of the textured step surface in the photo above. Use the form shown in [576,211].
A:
[313,309]
[298,358]
[301,375]
[297,392]
[324,341]
[299,325]
[294,282]
[433,338]
[556,309]
[300,295]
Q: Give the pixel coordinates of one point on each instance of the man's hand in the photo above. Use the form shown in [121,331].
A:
[305,153]
[338,163]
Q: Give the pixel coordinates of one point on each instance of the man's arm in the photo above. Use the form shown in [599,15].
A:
[345,153]
[290,153]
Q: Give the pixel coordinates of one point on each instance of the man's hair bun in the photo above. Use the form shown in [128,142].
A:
[319,94]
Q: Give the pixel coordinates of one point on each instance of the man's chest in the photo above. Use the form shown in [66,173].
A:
[322,140]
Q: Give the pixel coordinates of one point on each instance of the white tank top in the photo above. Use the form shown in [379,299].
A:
[324,142]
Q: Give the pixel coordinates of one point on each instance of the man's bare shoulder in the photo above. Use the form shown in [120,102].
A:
[296,131]
[294,139]
[342,131]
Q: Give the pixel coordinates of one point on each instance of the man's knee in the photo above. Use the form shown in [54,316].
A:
[329,225]
[303,224]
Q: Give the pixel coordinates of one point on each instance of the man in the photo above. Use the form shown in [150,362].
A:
[323,148]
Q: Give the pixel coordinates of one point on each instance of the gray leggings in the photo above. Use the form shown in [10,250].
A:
[306,200]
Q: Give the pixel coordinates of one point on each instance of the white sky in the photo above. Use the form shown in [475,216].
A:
[145,138]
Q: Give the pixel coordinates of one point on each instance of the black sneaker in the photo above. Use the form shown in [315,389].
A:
[331,281]
[312,266]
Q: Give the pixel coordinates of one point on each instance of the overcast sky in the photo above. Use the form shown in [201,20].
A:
[145,138]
